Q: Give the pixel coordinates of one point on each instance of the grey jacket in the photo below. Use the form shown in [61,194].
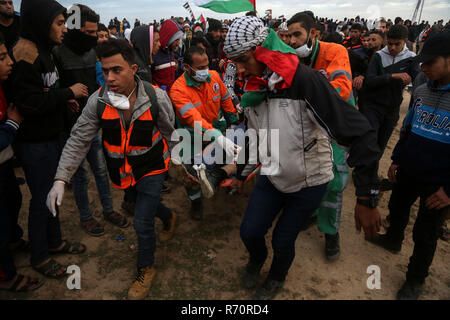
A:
[87,127]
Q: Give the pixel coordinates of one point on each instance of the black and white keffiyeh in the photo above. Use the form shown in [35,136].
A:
[245,33]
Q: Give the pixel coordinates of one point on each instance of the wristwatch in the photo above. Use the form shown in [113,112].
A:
[372,202]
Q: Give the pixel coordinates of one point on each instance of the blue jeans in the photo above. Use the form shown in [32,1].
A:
[10,231]
[40,162]
[96,160]
[147,194]
[263,207]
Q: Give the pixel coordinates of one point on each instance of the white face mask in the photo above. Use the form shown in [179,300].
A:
[120,101]
[304,51]
[200,75]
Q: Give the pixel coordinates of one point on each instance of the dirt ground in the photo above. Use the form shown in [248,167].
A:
[204,258]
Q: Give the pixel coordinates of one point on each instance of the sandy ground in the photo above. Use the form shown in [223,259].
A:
[204,258]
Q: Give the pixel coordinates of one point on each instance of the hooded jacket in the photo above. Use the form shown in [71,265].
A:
[140,37]
[165,64]
[381,88]
[35,78]
[76,61]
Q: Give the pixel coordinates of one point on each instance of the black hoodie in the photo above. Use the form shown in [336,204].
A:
[140,37]
[76,60]
[35,78]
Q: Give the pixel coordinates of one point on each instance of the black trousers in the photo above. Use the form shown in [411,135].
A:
[383,120]
[426,228]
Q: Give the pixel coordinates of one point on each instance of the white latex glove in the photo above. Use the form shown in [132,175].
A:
[231,149]
[56,194]
[239,108]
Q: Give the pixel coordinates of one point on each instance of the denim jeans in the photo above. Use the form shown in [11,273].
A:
[40,162]
[97,162]
[147,194]
[10,231]
[263,207]
[426,227]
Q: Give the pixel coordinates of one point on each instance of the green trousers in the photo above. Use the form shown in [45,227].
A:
[329,213]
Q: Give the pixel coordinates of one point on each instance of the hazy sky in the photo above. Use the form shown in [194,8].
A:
[147,10]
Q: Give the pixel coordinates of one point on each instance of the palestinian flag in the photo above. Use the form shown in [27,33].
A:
[281,59]
[227,6]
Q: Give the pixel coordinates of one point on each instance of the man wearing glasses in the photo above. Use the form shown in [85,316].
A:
[9,23]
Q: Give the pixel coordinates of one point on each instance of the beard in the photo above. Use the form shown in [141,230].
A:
[7,15]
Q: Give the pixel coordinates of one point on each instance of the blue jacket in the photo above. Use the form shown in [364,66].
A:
[423,151]
[8,130]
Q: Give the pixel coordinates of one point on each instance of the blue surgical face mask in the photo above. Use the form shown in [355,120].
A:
[200,75]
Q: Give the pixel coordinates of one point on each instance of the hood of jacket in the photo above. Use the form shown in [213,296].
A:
[387,59]
[169,33]
[140,37]
[36,18]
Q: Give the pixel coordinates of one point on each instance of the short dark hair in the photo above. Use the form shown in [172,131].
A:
[381,34]
[112,47]
[333,37]
[304,19]
[214,24]
[276,25]
[397,20]
[87,15]
[320,27]
[196,40]
[357,26]
[251,14]
[102,27]
[189,55]
[309,13]
[111,26]
[398,32]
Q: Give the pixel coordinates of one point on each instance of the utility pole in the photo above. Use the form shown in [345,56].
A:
[418,11]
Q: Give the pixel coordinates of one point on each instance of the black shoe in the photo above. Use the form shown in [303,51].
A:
[411,290]
[197,209]
[383,241]
[269,290]
[165,189]
[210,180]
[332,247]
[386,185]
[250,275]
[308,224]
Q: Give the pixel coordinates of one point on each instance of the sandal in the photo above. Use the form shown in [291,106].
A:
[30,284]
[20,246]
[69,248]
[50,270]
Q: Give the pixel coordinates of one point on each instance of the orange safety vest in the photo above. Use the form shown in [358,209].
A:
[130,154]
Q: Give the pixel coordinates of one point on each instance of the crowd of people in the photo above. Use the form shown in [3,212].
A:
[114,100]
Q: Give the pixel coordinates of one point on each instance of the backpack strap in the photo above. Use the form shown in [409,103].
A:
[151,93]
[100,104]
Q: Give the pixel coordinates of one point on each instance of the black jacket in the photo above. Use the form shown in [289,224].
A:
[213,53]
[140,37]
[381,89]
[76,60]
[35,78]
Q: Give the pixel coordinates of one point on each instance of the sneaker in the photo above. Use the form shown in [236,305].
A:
[210,180]
[129,207]
[197,209]
[116,219]
[165,189]
[268,290]
[166,235]
[411,290]
[332,247]
[249,277]
[92,227]
[383,241]
[141,286]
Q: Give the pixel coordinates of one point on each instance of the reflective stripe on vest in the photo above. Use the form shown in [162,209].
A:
[131,155]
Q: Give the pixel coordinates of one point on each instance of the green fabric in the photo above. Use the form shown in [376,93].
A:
[192,83]
[252,99]
[329,212]
[274,43]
